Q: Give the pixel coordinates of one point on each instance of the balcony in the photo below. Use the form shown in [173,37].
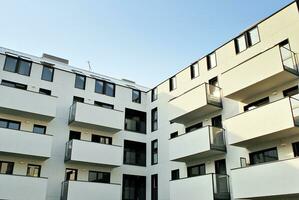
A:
[195,103]
[275,120]
[201,143]
[22,187]
[263,72]
[27,104]
[93,153]
[96,117]
[78,190]
[273,180]
[25,143]
[207,187]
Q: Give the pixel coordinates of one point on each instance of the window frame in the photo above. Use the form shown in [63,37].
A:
[175,174]
[8,163]
[172,83]
[209,63]
[76,78]
[194,67]
[154,119]
[295,146]
[11,121]
[97,176]
[105,83]
[34,165]
[199,166]
[76,174]
[154,151]
[154,186]
[95,137]
[262,152]
[154,94]
[52,74]
[248,40]
[139,151]
[18,65]
[138,99]
[40,126]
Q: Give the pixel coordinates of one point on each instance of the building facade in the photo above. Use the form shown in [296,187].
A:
[225,127]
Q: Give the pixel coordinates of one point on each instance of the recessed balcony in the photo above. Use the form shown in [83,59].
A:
[201,143]
[276,120]
[258,74]
[96,117]
[274,180]
[195,103]
[27,104]
[93,153]
[78,190]
[207,187]
[17,142]
[16,187]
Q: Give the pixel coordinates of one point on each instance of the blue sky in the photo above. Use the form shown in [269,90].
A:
[145,41]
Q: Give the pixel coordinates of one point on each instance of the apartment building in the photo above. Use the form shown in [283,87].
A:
[225,127]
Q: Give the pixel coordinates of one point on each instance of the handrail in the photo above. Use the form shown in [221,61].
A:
[93,142]
[66,181]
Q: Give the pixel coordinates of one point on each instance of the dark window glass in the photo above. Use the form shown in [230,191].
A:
[24,67]
[110,89]
[14,85]
[194,127]
[217,121]
[175,174]
[6,167]
[99,86]
[104,105]
[174,135]
[154,187]
[154,152]
[135,121]
[296,149]
[291,91]
[196,170]
[136,96]
[39,129]
[17,65]
[214,81]
[256,104]
[78,99]
[211,61]
[154,119]
[220,166]
[134,153]
[71,174]
[101,139]
[80,81]
[10,64]
[194,70]
[99,177]
[75,135]
[4,123]
[134,187]
[33,170]
[172,83]
[45,91]
[263,156]
[48,73]
[104,87]
[154,94]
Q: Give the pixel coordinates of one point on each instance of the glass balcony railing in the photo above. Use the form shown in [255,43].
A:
[64,190]
[221,186]
[217,138]
[68,150]
[72,113]
[213,94]
[295,108]
[289,58]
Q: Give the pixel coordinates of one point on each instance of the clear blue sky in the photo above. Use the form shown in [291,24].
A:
[145,41]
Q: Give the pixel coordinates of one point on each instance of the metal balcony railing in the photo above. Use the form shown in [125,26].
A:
[221,186]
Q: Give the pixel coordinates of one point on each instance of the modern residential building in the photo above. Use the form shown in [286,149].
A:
[225,127]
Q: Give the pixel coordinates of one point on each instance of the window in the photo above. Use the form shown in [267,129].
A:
[39,129]
[4,123]
[78,99]
[75,135]
[263,156]
[17,65]
[135,121]
[194,70]
[291,91]
[154,187]
[217,121]
[48,73]
[103,87]
[174,135]
[211,60]
[6,167]
[45,92]
[33,170]
[71,174]
[134,153]
[101,139]
[154,119]
[154,94]
[214,81]
[296,149]
[136,96]
[104,105]
[134,187]
[193,127]
[80,82]
[172,83]
[256,104]
[14,85]
[99,177]
[196,170]
[175,174]
[154,152]
[246,40]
